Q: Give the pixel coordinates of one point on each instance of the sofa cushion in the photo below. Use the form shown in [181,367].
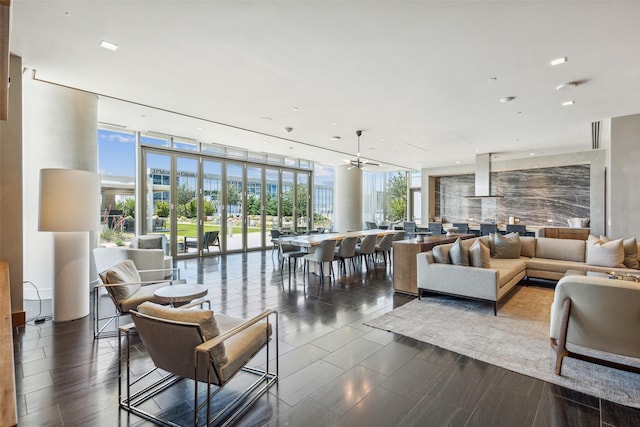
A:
[123,272]
[527,246]
[605,254]
[459,253]
[479,255]
[507,246]
[441,254]
[560,249]
[150,242]
[554,265]
[507,269]
[204,318]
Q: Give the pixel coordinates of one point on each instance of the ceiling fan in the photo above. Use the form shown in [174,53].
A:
[358,162]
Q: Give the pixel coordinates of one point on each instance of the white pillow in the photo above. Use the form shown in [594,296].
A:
[479,255]
[630,251]
[605,254]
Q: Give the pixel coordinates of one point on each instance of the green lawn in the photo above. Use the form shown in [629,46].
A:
[191,230]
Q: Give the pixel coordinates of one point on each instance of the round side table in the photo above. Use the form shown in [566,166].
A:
[178,295]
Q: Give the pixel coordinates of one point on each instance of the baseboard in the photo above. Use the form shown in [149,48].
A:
[18,318]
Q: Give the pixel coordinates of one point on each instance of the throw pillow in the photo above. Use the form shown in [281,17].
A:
[459,253]
[150,242]
[204,318]
[479,255]
[492,243]
[631,253]
[605,254]
[441,254]
[123,272]
[507,246]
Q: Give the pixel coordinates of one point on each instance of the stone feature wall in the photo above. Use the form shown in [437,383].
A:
[543,196]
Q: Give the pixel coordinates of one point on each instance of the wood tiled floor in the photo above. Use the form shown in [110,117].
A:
[333,369]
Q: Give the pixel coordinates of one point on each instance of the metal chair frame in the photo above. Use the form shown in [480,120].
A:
[133,399]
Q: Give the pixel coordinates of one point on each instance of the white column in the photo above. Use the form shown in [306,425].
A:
[347,199]
[60,131]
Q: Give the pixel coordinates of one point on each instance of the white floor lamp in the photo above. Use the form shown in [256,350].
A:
[70,207]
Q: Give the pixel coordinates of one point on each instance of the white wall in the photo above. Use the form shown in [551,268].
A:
[624,175]
[60,131]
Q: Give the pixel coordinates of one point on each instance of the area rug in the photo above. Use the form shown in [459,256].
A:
[516,339]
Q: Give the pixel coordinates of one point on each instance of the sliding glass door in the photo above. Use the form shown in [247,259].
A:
[207,206]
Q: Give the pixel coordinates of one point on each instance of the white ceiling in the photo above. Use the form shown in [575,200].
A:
[414,76]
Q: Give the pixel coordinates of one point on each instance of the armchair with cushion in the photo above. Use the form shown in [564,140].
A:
[196,345]
[596,313]
[151,242]
[126,288]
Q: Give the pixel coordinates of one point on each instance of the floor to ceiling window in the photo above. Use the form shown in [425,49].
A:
[208,199]
[384,196]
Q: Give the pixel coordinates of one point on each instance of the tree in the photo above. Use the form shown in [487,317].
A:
[272,205]
[233,195]
[128,207]
[287,203]
[397,196]
[302,200]
[162,209]
[253,205]
[209,208]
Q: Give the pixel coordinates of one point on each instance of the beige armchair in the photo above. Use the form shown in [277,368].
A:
[126,288]
[194,344]
[596,313]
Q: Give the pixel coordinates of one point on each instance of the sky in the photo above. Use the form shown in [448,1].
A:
[116,156]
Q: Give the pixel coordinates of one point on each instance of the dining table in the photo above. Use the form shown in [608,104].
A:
[311,240]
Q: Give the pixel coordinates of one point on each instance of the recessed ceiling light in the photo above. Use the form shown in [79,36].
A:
[559,61]
[518,112]
[198,128]
[493,79]
[457,162]
[295,108]
[335,138]
[567,86]
[507,99]
[334,123]
[532,154]
[266,118]
[107,45]
[568,103]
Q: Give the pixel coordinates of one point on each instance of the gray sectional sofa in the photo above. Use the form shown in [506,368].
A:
[536,257]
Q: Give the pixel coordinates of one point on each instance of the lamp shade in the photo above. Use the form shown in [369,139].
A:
[69,200]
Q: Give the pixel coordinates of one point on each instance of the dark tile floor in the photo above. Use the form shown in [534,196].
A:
[334,370]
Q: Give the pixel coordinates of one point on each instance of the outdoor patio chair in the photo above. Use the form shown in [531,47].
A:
[211,238]
[193,344]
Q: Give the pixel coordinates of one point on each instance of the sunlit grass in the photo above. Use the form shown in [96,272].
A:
[191,230]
